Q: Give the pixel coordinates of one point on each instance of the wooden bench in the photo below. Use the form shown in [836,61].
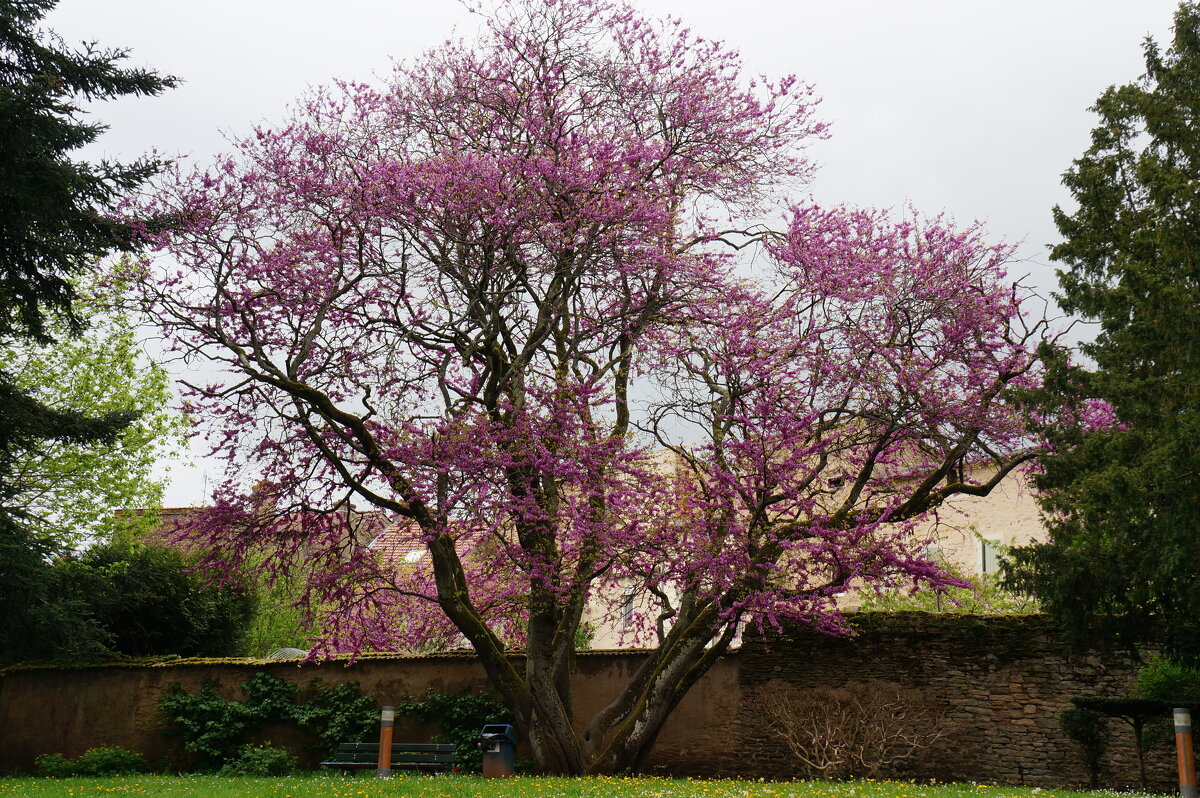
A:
[431,756]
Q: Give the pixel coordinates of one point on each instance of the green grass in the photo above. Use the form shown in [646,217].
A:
[414,786]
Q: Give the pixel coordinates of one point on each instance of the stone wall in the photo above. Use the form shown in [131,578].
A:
[1000,683]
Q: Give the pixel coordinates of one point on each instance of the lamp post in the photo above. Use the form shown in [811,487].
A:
[387,718]
[1183,750]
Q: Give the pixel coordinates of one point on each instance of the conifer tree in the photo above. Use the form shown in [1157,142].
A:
[56,213]
[54,219]
[1123,498]
[57,219]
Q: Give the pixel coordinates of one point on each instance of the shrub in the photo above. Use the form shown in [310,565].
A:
[107,760]
[56,766]
[153,603]
[1086,727]
[116,599]
[260,760]
[857,730]
[111,760]
[1167,681]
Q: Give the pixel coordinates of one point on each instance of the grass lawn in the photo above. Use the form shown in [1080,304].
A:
[414,786]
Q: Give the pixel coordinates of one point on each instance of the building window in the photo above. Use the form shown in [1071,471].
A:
[989,556]
[627,609]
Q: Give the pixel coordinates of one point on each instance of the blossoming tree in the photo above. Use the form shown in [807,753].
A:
[506,299]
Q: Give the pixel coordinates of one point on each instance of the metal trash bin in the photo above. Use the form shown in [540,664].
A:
[498,742]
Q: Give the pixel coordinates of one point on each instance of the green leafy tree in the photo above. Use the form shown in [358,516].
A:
[1162,680]
[151,601]
[983,595]
[57,214]
[1122,496]
[279,620]
[67,491]
[62,491]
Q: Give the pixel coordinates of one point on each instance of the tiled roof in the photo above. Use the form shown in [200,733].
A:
[399,543]
[402,542]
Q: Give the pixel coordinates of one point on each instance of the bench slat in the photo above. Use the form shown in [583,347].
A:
[362,755]
[434,747]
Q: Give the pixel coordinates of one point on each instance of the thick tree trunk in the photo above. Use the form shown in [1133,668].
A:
[620,736]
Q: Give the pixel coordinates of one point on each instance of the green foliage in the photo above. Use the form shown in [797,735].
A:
[1147,718]
[55,211]
[213,728]
[584,635]
[36,621]
[461,716]
[108,760]
[269,697]
[210,726]
[1086,727]
[55,766]
[151,602]
[75,418]
[985,596]
[1166,681]
[57,491]
[118,599]
[277,621]
[260,760]
[338,714]
[69,491]
[1121,501]
[134,600]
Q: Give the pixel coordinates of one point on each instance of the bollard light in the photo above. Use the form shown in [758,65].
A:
[387,718]
[1183,752]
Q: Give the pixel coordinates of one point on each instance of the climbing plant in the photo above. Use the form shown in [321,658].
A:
[213,728]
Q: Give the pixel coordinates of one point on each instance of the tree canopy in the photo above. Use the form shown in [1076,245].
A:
[117,599]
[507,299]
[56,216]
[1121,488]
[63,407]
[68,491]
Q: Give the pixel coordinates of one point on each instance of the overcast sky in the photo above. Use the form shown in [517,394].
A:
[973,107]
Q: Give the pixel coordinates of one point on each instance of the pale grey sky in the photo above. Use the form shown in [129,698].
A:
[971,107]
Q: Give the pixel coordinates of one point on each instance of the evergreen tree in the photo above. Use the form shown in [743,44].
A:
[151,601]
[57,219]
[1123,498]
[114,600]
[55,212]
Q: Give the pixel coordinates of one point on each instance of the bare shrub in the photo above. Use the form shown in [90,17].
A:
[857,730]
